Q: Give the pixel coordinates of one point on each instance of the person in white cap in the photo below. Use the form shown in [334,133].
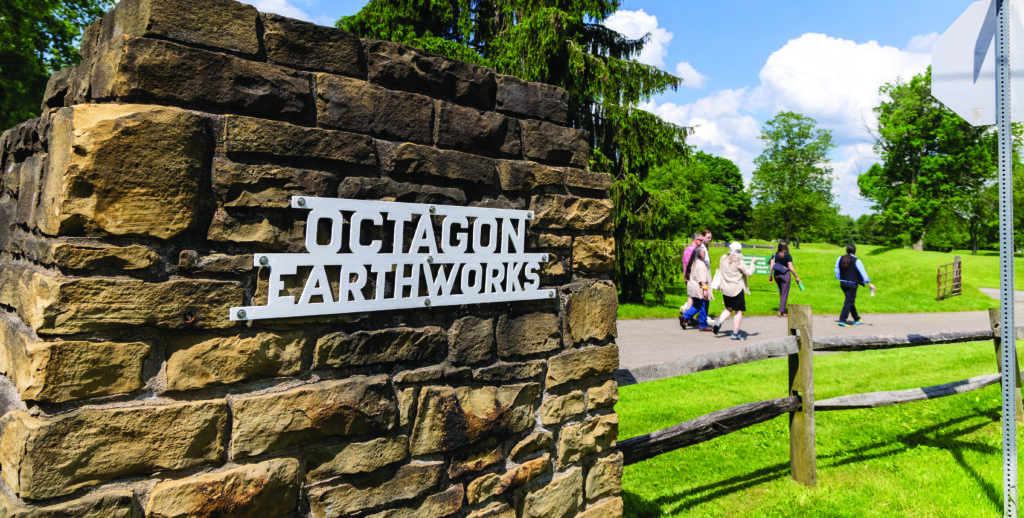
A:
[733,285]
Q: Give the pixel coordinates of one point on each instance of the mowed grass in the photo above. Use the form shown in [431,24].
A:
[905,279]
[924,459]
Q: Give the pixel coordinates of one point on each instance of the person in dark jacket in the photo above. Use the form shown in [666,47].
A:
[851,274]
[781,271]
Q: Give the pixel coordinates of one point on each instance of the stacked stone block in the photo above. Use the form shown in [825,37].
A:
[131,212]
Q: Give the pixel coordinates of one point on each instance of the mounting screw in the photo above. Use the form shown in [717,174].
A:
[301,202]
[551,294]
[529,215]
[241,314]
[426,302]
[433,209]
[430,259]
[264,260]
[544,258]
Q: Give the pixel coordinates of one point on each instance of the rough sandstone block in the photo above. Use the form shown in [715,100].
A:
[100,180]
[410,481]
[70,305]
[521,175]
[556,144]
[141,70]
[327,462]
[471,340]
[587,180]
[531,100]
[362,188]
[268,185]
[381,346]
[595,435]
[196,361]
[404,68]
[605,395]
[607,509]
[309,46]
[493,484]
[250,136]
[604,477]
[475,461]
[445,503]
[116,503]
[449,418]
[269,488]
[267,231]
[536,441]
[591,313]
[355,105]
[413,159]
[274,421]
[217,24]
[582,363]
[30,174]
[503,371]
[406,405]
[532,333]
[559,499]
[474,131]
[559,408]
[494,510]
[44,457]
[65,371]
[189,260]
[92,257]
[554,211]
[593,254]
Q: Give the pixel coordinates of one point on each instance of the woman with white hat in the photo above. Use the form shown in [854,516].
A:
[733,285]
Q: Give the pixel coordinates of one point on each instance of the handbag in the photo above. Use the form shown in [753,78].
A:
[780,268]
[716,281]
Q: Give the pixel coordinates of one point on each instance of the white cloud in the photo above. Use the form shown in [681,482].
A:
[833,80]
[635,24]
[282,7]
[922,43]
[691,77]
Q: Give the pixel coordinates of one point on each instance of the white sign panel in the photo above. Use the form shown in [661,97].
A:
[376,255]
[963,63]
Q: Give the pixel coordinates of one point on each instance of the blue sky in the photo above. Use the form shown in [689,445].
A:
[744,60]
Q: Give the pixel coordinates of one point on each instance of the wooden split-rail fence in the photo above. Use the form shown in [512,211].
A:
[800,404]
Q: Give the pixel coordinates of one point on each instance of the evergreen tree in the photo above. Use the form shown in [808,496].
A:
[37,38]
[562,42]
[792,183]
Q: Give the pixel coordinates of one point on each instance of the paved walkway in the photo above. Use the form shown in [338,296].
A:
[657,348]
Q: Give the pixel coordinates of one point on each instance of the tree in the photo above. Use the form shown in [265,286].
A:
[792,182]
[702,192]
[37,38]
[931,159]
[563,43]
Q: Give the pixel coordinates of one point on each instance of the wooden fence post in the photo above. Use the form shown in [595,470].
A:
[802,461]
[997,339]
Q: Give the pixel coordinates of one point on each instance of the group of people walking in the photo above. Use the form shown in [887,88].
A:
[731,280]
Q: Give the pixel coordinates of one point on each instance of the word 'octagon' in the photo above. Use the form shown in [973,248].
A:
[376,255]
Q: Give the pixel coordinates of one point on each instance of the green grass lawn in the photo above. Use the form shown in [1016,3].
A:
[905,280]
[924,459]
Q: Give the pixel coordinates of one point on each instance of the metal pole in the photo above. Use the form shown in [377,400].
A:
[1009,350]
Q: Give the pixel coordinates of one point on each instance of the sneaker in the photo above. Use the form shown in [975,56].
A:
[682,322]
[715,328]
[856,322]
[737,336]
[843,324]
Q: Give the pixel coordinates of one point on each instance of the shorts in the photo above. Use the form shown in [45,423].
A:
[737,303]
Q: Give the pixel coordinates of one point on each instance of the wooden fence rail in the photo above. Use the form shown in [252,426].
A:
[800,404]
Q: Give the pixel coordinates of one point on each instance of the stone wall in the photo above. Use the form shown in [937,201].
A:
[131,211]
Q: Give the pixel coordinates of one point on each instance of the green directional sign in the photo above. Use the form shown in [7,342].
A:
[760,263]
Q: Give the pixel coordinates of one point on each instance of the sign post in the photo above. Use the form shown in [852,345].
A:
[971,74]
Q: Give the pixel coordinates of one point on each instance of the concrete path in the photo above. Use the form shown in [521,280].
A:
[657,348]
